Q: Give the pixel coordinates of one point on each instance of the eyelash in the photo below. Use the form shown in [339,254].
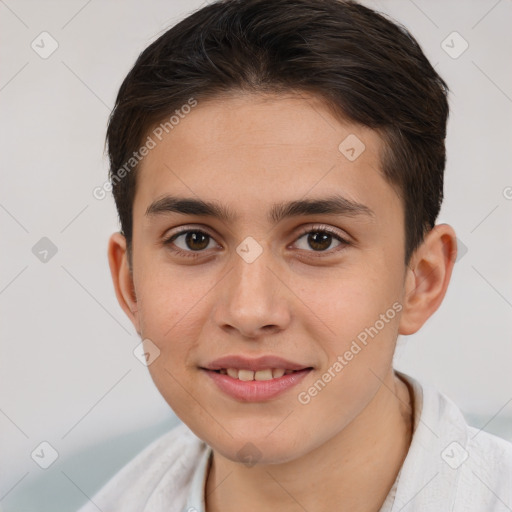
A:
[316,229]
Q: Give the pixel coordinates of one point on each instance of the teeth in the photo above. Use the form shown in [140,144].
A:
[245,375]
[248,375]
[232,373]
[263,375]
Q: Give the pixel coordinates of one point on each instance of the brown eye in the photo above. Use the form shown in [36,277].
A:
[320,240]
[190,241]
[196,240]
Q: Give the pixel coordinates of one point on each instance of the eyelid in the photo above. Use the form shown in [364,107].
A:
[186,229]
[323,227]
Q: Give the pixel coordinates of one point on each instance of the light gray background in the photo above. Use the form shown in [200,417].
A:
[67,372]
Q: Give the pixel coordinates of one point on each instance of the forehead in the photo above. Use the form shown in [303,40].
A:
[247,151]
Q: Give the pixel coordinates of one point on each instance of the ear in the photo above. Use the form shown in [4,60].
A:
[122,278]
[427,277]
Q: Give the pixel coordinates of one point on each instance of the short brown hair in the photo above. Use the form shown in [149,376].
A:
[366,68]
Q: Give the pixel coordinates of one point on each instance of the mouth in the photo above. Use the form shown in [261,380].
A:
[255,380]
[260,375]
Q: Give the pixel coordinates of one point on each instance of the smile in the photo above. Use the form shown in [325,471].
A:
[248,375]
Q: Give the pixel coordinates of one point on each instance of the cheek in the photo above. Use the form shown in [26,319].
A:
[362,311]
[170,297]
[171,313]
[359,357]
[349,301]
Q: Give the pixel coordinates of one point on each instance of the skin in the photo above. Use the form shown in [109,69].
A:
[344,448]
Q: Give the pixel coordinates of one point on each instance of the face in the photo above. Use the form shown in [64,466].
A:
[303,284]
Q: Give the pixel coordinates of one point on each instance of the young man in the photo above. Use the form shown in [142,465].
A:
[277,167]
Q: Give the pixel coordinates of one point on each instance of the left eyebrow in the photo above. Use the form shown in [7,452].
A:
[333,205]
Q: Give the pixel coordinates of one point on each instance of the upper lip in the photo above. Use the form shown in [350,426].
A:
[254,364]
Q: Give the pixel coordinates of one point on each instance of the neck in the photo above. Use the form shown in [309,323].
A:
[354,470]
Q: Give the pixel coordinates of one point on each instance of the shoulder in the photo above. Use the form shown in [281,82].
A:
[157,478]
[488,446]
[486,477]
[458,467]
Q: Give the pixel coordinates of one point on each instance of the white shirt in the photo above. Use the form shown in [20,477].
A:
[450,466]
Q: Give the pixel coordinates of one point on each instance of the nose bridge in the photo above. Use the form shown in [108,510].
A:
[253,297]
[253,278]
[251,282]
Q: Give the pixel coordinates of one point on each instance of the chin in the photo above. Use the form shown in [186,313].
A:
[255,452]
[256,446]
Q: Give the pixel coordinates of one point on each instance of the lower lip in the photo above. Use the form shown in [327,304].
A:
[256,390]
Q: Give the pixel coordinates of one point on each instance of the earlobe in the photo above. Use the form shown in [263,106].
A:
[427,277]
[122,277]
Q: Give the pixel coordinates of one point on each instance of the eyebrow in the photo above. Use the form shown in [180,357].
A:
[333,205]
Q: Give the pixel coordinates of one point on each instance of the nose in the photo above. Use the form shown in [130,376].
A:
[253,301]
